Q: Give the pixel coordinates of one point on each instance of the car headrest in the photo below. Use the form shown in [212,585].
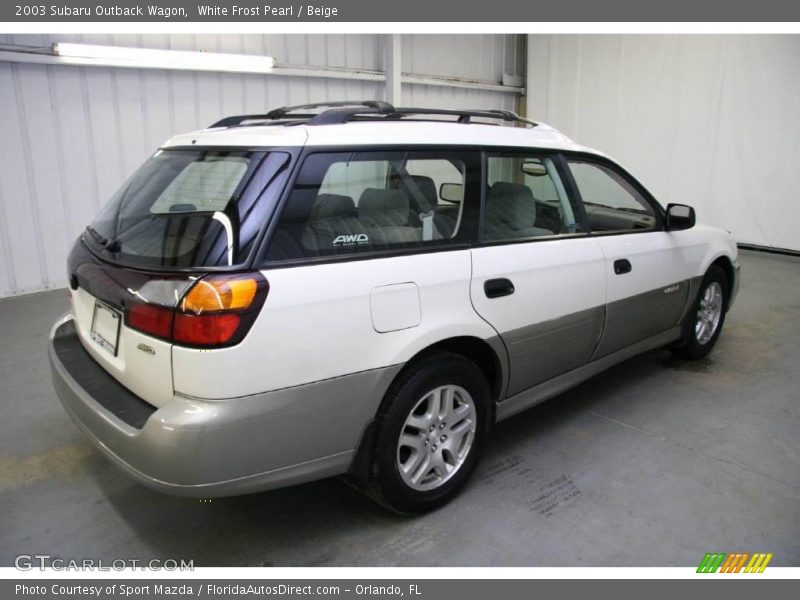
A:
[512,204]
[427,190]
[377,200]
[327,206]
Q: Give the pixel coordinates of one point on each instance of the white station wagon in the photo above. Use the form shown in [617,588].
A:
[359,289]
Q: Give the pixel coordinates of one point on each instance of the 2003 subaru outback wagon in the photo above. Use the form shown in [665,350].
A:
[355,288]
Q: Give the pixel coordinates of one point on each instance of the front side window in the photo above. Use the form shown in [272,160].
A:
[612,204]
[348,202]
[190,208]
[525,198]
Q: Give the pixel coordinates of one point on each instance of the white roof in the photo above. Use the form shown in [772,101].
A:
[360,133]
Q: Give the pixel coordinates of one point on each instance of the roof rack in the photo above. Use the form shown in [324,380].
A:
[343,112]
[342,109]
[465,116]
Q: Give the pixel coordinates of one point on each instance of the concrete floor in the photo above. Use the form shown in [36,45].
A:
[653,463]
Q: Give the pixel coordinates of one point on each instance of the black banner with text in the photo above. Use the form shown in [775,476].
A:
[406,11]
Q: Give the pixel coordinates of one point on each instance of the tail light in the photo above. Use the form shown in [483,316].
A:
[148,318]
[216,311]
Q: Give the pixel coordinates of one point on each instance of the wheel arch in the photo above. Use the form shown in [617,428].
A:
[725,263]
[484,354]
[488,355]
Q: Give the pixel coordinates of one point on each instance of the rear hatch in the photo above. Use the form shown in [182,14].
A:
[184,226]
[101,296]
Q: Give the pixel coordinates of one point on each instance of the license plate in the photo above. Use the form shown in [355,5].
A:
[105,327]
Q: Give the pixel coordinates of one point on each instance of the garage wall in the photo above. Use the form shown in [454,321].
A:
[710,121]
[482,57]
[72,135]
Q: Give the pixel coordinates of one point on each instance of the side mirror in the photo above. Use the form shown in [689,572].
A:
[679,216]
[451,192]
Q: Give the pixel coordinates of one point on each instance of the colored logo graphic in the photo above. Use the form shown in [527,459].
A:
[734,563]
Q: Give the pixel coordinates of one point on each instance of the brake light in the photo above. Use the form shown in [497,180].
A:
[217,310]
[150,319]
[205,330]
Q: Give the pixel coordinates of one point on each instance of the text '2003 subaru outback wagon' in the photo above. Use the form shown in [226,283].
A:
[354,288]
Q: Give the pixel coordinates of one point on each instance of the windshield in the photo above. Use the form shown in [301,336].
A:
[190,208]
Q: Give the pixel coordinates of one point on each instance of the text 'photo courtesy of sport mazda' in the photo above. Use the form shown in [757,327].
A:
[354,288]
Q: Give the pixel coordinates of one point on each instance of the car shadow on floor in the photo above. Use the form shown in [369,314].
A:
[267,529]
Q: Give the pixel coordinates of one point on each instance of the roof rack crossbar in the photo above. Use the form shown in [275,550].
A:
[334,116]
[345,114]
[237,119]
[465,116]
[376,106]
[342,112]
[379,105]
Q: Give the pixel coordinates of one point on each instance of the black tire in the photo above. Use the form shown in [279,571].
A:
[689,346]
[440,368]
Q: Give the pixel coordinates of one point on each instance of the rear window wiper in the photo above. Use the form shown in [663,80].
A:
[110,245]
[98,237]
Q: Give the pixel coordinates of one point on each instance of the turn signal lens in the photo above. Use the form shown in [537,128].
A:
[220,293]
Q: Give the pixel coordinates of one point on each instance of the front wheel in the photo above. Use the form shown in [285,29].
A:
[430,433]
[706,317]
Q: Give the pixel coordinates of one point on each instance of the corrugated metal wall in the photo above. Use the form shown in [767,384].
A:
[72,135]
[483,57]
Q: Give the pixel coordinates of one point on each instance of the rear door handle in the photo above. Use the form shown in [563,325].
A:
[622,266]
[495,288]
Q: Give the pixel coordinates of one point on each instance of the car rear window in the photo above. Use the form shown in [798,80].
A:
[203,185]
[190,208]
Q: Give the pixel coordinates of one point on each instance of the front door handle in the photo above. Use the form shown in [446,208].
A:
[495,288]
[622,266]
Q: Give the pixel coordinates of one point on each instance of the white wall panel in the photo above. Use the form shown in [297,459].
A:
[484,57]
[451,97]
[710,121]
[72,135]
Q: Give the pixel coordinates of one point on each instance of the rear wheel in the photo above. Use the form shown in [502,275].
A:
[430,433]
[706,317]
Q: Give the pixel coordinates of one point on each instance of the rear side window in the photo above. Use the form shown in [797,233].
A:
[352,178]
[525,198]
[344,203]
[611,202]
[190,208]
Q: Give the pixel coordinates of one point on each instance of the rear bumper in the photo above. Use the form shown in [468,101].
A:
[202,448]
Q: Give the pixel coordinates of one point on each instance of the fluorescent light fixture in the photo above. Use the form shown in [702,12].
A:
[148,58]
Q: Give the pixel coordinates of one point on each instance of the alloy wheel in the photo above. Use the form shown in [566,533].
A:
[436,437]
[709,313]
